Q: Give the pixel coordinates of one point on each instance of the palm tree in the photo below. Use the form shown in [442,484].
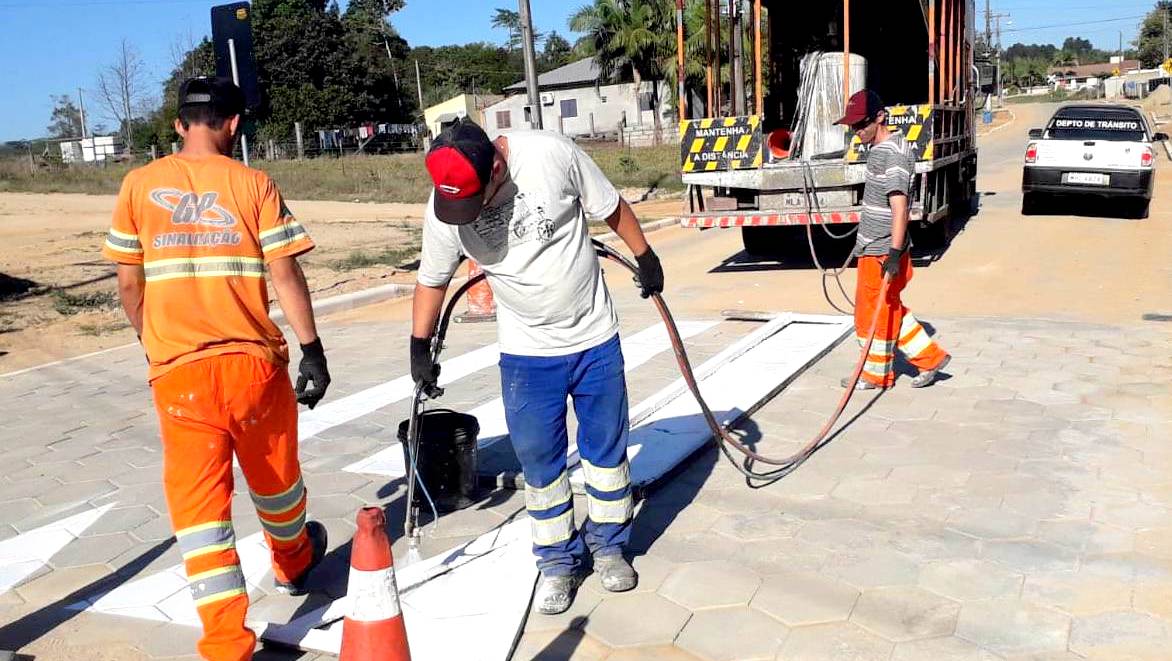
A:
[634,34]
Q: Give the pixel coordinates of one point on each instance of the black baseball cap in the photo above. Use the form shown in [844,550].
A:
[460,165]
[217,91]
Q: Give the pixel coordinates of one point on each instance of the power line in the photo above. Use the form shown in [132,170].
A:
[1075,24]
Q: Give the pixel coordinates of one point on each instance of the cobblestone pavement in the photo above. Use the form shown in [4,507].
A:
[1018,510]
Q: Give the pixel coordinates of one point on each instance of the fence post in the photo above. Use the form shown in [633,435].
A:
[300,141]
[154,152]
[174,147]
[272,150]
[591,124]
[561,125]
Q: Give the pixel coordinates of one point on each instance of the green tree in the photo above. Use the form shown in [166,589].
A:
[1080,49]
[376,56]
[476,67]
[630,34]
[510,21]
[199,61]
[557,52]
[65,119]
[1149,43]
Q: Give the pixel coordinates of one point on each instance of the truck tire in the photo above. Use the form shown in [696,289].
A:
[931,236]
[1140,208]
[761,241]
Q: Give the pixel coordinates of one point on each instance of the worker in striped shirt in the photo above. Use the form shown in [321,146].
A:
[193,235]
[882,250]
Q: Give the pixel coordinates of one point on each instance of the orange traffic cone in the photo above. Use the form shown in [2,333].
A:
[374,629]
[481,306]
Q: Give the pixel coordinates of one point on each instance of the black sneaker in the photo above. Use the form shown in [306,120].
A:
[320,541]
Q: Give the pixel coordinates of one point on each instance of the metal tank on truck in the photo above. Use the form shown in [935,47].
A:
[766,155]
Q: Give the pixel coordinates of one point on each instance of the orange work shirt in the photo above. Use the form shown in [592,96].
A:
[203,230]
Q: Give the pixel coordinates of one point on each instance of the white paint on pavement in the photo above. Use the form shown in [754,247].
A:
[352,407]
[637,350]
[493,577]
[23,555]
[165,597]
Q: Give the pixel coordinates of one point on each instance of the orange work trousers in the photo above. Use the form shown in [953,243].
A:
[209,410]
[897,328]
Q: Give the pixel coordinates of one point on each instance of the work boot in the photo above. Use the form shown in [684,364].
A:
[319,539]
[616,574]
[862,384]
[928,377]
[555,593]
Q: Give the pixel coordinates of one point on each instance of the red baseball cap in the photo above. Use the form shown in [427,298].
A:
[862,105]
[460,165]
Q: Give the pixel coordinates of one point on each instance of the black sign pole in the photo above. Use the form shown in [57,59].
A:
[236,79]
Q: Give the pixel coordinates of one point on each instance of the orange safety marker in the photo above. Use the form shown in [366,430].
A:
[481,306]
[374,628]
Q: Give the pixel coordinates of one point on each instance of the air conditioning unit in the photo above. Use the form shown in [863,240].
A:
[547,99]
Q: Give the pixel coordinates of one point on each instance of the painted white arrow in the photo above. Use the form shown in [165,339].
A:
[23,555]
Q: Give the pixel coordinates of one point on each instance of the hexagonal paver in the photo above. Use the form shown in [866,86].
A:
[869,491]
[1120,633]
[732,634]
[967,580]
[575,618]
[941,649]
[840,641]
[991,523]
[1154,598]
[636,619]
[656,653]
[710,584]
[98,549]
[1077,593]
[1085,536]
[803,598]
[778,556]
[1009,626]
[691,547]
[905,613]
[753,527]
[1029,556]
[1155,542]
[873,569]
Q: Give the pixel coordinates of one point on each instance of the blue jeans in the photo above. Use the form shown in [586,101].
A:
[535,391]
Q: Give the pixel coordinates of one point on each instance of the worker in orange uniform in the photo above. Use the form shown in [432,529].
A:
[882,249]
[192,234]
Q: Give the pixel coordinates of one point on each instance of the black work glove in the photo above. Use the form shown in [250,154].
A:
[650,278]
[894,262]
[423,370]
[312,369]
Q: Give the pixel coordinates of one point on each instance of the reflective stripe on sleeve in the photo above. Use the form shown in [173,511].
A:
[553,494]
[217,584]
[282,235]
[206,538]
[122,242]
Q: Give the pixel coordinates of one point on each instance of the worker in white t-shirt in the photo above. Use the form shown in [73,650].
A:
[519,206]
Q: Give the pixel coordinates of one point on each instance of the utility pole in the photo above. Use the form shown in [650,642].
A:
[81,107]
[988,25]
[418,86]
[738,57]
[1165,13]
[530,63]
[997,50]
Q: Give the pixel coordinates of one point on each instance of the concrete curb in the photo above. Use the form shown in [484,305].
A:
[339,303]
[1012,119]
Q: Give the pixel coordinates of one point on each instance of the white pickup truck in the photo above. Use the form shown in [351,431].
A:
[1098,150]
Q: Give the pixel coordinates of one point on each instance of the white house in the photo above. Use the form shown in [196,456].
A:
[575,103]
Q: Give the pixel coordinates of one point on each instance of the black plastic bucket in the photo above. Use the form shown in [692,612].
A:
[447,458]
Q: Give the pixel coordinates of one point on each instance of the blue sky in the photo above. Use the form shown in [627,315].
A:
[55,46]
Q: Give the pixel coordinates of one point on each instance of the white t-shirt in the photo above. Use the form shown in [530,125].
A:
[533,243]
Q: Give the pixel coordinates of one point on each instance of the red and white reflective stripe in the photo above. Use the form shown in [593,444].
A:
[771,219]
[373,595]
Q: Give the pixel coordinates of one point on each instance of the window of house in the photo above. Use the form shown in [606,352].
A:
[569,108]
[504,119]
[645,101]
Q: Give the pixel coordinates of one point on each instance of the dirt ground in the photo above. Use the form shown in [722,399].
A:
[57,294]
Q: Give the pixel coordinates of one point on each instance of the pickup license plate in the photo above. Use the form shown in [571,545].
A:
[1092,178]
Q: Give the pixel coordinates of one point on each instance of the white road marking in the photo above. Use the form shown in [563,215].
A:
[637,350]
[23,555]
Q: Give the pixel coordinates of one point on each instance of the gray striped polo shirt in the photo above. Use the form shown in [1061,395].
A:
[889,170]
